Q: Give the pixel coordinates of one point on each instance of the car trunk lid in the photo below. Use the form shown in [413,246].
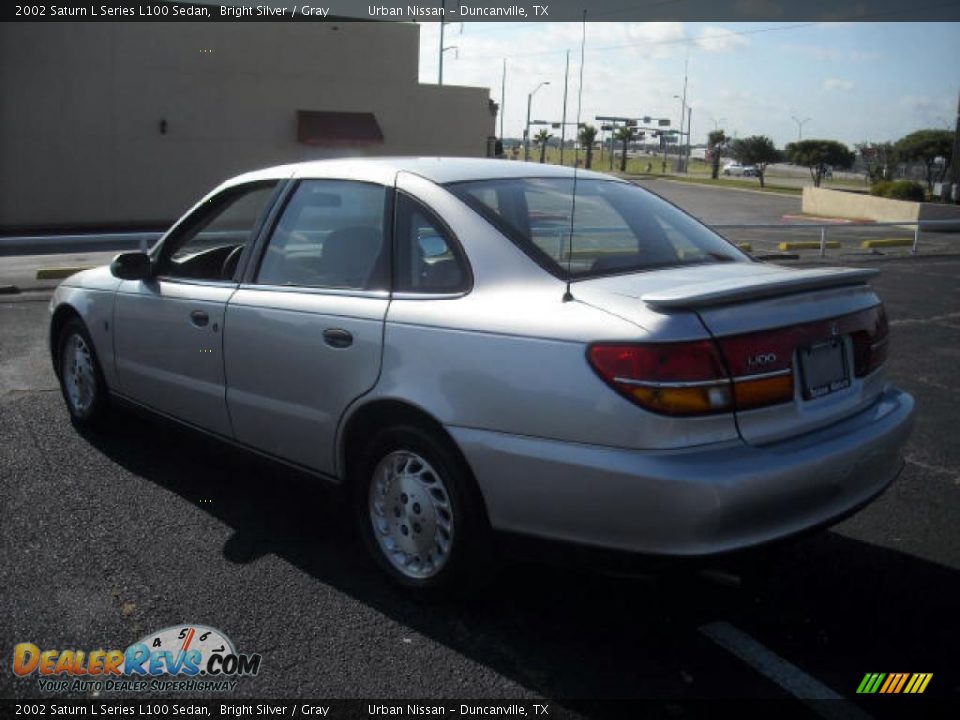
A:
[802,345]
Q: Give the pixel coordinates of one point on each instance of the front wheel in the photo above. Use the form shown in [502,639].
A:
[420,513]
[81,380]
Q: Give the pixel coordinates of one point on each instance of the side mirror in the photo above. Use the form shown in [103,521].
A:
[131,266]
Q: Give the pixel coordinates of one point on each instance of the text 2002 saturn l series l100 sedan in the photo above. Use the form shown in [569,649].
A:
[472,347]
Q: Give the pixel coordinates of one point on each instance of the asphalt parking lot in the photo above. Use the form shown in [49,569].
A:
[107,536]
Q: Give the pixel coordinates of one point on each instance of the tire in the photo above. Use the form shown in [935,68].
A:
[81,380]
[420,513]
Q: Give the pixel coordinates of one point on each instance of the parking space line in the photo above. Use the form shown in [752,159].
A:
[785,674]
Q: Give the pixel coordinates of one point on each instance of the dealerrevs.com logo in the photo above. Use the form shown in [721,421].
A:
[182,658]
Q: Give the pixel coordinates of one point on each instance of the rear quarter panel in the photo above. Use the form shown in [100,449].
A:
[510,355]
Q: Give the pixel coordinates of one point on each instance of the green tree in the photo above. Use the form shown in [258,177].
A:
[927,146]
[819,156]
[880,159]
[716,143]
[541,139]
[587,136]
[624,135]
[756,150]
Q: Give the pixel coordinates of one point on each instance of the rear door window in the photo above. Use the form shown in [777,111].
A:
[332,234]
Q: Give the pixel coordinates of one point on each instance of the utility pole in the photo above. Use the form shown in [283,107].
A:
[443,11]
[503,96]
[683,103]
[563,121]
[686,162]
[800,123]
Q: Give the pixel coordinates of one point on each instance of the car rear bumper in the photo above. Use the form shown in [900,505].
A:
[700,501]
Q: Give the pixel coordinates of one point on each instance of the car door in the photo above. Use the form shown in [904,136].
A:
[304,332]
[168,329]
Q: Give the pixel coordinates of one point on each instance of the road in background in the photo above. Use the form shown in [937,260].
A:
[726,206]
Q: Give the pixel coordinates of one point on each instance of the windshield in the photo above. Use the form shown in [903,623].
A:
[618,227]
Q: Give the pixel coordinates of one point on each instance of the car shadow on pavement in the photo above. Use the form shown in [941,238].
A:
[832,605]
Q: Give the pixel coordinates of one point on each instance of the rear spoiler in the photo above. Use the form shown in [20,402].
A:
[720,292]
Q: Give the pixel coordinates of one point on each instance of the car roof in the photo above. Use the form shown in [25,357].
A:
[437,169]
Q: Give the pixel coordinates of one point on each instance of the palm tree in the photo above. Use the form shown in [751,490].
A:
[716,142]
[541,139]
[624,134]
[587,136]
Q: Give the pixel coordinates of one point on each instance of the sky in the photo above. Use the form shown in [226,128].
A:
[851,82]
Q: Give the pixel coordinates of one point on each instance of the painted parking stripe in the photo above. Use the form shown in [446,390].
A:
[785,674]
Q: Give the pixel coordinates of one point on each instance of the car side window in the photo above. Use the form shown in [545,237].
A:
[208,245]
[428,260]
[332,234]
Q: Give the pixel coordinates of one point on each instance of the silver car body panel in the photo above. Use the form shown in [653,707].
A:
[502,367]
[286,387]
[163,358]
[91,294]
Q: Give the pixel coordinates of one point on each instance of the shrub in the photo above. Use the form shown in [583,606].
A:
[907,190]
[899,190]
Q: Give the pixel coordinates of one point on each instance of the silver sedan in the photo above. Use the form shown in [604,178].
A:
[472,347]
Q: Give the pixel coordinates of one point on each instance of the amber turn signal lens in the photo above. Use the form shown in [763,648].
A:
[684,400]
[763,391]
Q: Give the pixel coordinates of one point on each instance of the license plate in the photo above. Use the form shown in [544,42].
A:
[823,367]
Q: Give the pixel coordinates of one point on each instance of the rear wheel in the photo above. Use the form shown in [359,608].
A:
[420,514]
[81,380]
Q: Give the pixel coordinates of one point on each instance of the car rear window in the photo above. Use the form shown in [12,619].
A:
[617,227]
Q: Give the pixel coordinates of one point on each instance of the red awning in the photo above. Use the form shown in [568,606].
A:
[337,128]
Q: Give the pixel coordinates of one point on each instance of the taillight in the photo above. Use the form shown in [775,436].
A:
[739,372]
[686,378]
[761,364]
[870,343]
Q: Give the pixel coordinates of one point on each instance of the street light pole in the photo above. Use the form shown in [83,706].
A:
[683,107]
[526,134]
[503,96]
[563,120]
[800,123]
[442,13]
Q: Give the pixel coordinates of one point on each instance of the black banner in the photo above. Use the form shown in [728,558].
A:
[454,11]
[782,709]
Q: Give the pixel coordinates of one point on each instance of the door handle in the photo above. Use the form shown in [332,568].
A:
[337,337]
[199,318]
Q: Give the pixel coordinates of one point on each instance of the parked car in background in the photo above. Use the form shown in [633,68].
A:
[466,354]
[737,170]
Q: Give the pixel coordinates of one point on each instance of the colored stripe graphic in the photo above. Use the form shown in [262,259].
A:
[903,679]
[894,683]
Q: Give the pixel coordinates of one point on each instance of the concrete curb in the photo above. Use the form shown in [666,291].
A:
[55,273]
[887,242]
[818,219]
[808,245]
